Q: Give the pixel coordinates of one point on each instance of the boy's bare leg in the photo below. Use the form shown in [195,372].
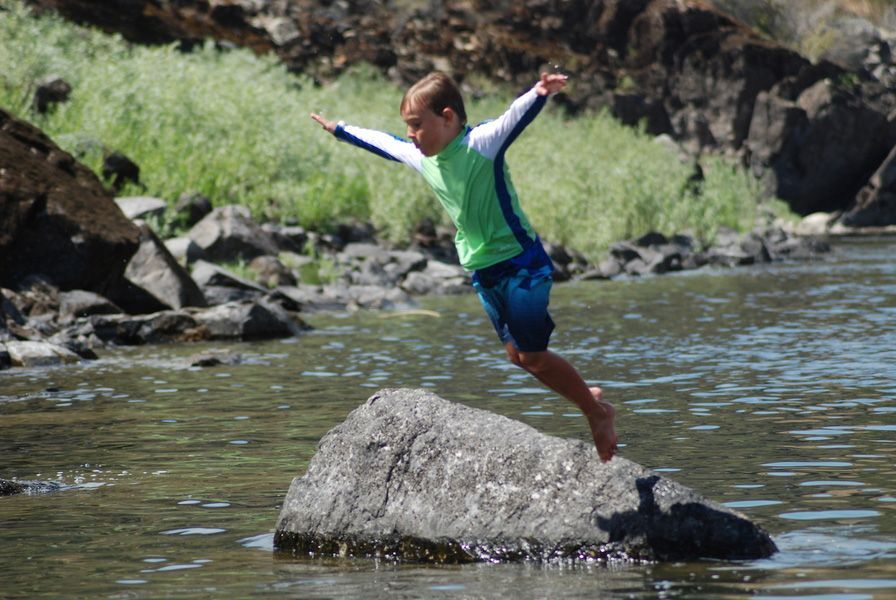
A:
[555,372]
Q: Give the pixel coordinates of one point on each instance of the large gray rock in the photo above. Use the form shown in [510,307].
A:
[132,330]
[39,354]
[82,303]
[184,250]
[437,278]
[221,286]
[249,320]
[409,475]
[339,296]
[154,269]
[229,234]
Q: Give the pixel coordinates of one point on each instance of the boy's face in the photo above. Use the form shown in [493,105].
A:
[429,131]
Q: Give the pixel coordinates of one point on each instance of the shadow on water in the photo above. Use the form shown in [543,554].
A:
[686,530]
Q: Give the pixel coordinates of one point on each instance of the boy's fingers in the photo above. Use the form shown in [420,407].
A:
[328,125]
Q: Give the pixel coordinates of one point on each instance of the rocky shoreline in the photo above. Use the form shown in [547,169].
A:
[187,292]
[81,271]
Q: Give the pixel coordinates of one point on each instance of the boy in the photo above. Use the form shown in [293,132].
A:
[511,271]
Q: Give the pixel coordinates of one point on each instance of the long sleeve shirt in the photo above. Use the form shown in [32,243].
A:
[471,180]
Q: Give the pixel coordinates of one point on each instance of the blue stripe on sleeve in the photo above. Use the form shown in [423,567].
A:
[506,202]
[345,136]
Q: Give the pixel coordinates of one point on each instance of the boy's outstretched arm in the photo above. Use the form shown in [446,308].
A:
[492,138]
[382,144]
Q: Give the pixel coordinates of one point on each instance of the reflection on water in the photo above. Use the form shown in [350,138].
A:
[772,390]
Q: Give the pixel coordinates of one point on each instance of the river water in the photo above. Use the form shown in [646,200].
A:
[770,389]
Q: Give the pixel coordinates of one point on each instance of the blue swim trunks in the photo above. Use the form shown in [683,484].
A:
[515,294]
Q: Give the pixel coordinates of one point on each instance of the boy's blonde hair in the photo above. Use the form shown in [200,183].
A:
[437,91]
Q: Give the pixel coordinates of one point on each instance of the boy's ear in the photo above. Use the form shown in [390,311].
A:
[448,114]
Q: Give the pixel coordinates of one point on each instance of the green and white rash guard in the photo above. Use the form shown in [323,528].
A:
[471,180]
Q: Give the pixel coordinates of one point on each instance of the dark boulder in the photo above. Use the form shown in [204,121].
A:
[246,320]
[818,150]
[10,488]
[875,204]
[56,219]
[411,476]
[120,169]
[192,208]
[51,90]
[127,330]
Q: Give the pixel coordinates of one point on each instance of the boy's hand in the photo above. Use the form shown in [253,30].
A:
[550,83]
[328,125]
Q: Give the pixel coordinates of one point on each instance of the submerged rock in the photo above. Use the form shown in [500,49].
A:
[411,476]
[11,488]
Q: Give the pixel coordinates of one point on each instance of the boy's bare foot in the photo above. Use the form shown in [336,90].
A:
[601,419]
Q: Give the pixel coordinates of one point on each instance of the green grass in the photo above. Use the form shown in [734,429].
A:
[235,127]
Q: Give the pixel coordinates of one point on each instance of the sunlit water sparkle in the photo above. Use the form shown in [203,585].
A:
[769,389]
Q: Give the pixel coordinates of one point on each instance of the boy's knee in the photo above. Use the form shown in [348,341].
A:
[513,355]
[532,361]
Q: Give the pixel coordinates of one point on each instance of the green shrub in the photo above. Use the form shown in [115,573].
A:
[235,127]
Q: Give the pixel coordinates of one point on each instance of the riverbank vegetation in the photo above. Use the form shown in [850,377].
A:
[234,126]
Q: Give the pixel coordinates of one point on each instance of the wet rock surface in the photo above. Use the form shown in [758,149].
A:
[410,476]
[656,254]
[11,488]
